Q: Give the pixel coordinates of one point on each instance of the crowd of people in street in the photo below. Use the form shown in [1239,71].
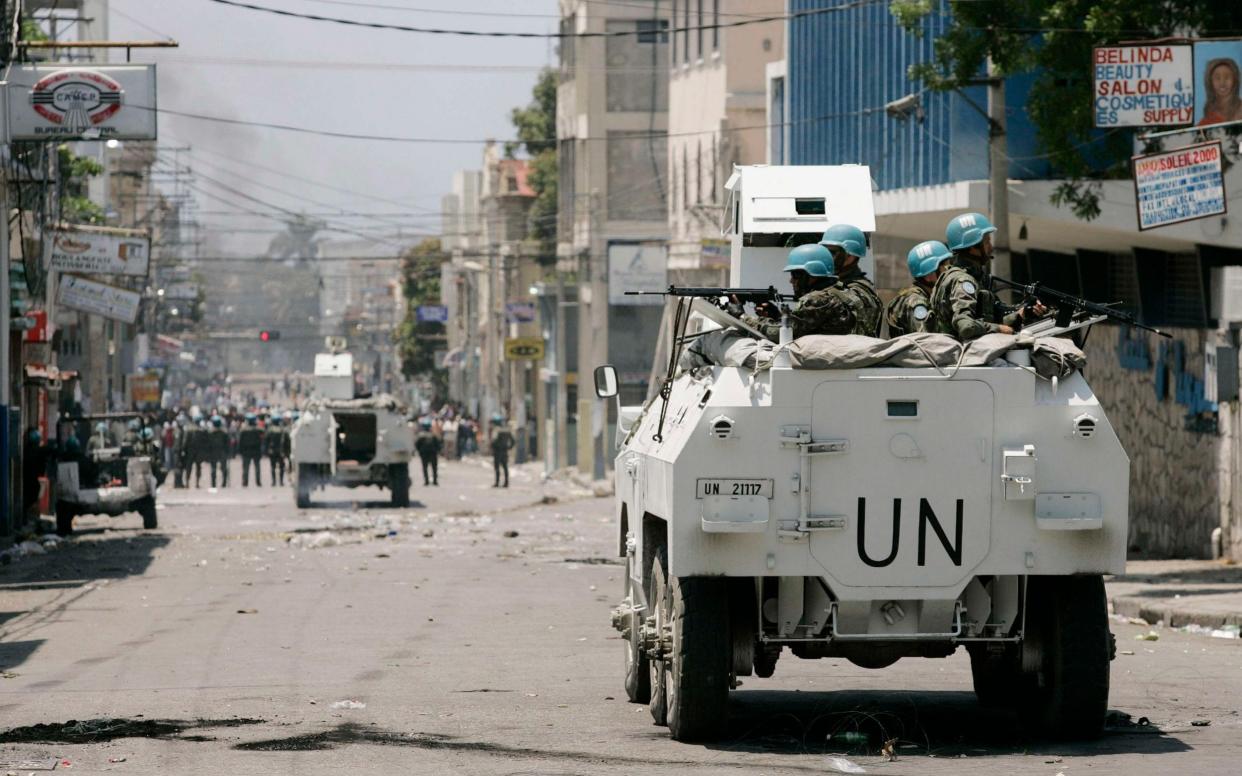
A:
[453,433]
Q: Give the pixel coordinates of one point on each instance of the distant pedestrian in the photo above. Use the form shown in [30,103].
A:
[428,446]
[502,443]
[250,445]
[276,447]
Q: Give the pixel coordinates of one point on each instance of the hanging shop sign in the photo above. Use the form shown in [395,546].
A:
[1143,85]
[1181,185]
[431,313]
[82,102]
[524,349]
[637,267]
[78,293]
[99,251]
[520,312]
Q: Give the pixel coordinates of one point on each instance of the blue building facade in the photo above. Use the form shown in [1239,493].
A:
[845,66]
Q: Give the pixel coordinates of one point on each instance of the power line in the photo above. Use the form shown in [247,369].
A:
[542,35]
[387,7]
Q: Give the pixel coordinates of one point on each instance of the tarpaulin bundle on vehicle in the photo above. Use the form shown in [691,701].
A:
[1050,356]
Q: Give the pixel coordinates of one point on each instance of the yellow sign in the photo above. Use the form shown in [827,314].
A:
[524,349]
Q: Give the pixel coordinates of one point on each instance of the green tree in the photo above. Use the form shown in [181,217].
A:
[417,342]
[1054,39]
[73,175]
[536,132]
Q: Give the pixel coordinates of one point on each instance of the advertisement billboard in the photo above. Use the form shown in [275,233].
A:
[1143,85]
[78,293]
[99,251]
[1217,77]
[82,102]
[637,267]
[1182,185]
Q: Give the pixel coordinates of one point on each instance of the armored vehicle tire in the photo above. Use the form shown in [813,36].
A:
[696,666]
[1068,616]
[637,666]
[657,599]
[150,519]
[997,677]
[64,519]
[304,485]
[399,484]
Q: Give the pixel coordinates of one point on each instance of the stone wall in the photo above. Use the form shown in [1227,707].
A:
[1172,441]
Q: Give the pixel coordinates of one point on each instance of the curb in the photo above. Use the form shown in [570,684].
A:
[1172,617]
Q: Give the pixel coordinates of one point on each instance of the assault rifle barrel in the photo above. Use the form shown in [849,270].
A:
[1063,300]
[744,294]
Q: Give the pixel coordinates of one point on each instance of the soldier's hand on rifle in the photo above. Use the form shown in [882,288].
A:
[1034,311]
[734,306]
[767,310]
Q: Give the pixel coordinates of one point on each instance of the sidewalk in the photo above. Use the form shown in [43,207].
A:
[1203,593]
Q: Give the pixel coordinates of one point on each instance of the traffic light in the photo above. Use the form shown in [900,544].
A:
[267,335]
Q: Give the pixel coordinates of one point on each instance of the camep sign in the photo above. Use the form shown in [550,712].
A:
[77,102]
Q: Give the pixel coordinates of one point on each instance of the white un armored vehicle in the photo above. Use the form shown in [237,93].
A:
[343,440]
[861,510]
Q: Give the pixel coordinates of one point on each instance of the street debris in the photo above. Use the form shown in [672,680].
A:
[1224,632]
[247,611]
[109,728]
[116,759]
[349,704]
[844,765]
[1148,636]
[511,534]
[1200,722]
[889,750]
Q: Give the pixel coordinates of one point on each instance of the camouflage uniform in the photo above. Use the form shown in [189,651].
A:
[868,309]
[827,310]
[963,305]
[908,312]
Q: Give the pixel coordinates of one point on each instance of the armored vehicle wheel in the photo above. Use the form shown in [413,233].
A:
[305,483]
[149,518]
[637,667]
[998,678]
[1068,618]
[64,519]
[657,600]
[697,655]
[399,484]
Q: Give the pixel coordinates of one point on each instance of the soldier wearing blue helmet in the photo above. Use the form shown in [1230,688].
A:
[908,312]
[848,245]
[822,305]
[962,301]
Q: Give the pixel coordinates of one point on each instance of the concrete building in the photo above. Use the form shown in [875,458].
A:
[611,128]
[844,67]
[717,118]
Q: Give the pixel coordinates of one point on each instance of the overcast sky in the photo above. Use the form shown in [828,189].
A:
[243,64]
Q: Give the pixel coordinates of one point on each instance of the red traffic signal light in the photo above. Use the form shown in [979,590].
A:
[267,335]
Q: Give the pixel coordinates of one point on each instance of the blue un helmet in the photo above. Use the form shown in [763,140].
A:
[966,230]
[846,237]
[926,257]
[217,421]
[814,260]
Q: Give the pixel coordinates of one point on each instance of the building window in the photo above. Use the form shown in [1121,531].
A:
[715,171]
[637,171]
[698,33]
[567,48]
[633,81]
[715,25]
[653,31]
[776,120]
[685,33]
[674,18]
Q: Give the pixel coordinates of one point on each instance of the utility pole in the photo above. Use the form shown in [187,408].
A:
[562,374]
[7,524]
[998,166]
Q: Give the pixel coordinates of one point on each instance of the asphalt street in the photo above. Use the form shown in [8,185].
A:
[470,634]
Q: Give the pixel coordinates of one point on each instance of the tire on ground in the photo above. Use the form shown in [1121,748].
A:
[399,484]
[305,483]
[64,519]
[637,666]
[997,677]
[697,673]
[657,591]
[150,519]
[1069,617]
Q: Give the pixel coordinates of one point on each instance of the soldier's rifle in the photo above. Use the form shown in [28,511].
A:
[722,298]
[1068,305]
